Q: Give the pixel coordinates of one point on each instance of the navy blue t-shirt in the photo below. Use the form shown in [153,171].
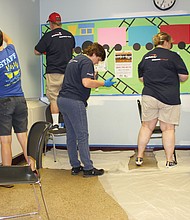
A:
[159,69]
[78,68]
[58,45]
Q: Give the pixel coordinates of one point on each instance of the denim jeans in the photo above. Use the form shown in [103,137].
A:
[75,118]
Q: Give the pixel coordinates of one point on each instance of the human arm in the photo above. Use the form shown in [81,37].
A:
[36,52]
[91,83]
[41,46]
[183,77]
[7,39]
[141,70]
[181,68]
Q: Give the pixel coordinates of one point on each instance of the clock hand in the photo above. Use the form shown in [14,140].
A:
[162,3]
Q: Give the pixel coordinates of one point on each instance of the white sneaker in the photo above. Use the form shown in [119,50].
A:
[139,161]
[55,127]
[171,164]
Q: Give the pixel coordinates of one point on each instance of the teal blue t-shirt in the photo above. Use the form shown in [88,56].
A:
[10,73]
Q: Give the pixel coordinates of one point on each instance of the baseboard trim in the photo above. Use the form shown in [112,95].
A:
[121,147]
[20,158]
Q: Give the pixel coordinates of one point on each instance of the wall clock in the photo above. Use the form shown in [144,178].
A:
[164,4]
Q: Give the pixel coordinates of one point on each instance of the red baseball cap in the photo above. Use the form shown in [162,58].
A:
[54,17]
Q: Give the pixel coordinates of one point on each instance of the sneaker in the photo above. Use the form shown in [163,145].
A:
[57,130]
[93,172]
[54,127]
[139,161]
[7,186]
[76,170]
[170,164]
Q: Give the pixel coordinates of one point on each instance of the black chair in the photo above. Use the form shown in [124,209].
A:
[52,133]
[21,174]
[157,132]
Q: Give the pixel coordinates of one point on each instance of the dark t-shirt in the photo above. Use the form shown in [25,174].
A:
[78,68]
[159,69]
[58,45]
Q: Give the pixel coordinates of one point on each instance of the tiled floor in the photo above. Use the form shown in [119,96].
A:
[148,193]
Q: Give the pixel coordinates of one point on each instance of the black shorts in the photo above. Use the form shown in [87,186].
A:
[13,114]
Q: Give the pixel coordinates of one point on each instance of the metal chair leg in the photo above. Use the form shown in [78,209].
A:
[175,158]
[54,149]
[30,213]
[36,197]
[45,147]
[44,202]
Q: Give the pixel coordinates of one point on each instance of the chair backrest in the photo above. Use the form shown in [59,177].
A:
[36,141]
[49,116]
[140,109]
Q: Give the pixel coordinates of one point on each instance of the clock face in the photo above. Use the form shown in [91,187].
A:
[164,4]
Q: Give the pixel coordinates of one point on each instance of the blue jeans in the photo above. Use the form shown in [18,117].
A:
[75,119]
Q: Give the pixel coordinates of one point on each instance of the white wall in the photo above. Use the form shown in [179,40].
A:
[102,9]
[114,121]
[20,19]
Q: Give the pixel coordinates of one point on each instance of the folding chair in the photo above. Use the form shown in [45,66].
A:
[22,174]
[157,132]
[61,131]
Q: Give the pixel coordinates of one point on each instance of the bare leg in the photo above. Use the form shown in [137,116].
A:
[6,151]
[54,112]
[22,138]
[53,86]
[168,139]
[54,108]
[144,135]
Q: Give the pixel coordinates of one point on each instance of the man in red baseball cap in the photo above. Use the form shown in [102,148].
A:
[54,17]
[58,45]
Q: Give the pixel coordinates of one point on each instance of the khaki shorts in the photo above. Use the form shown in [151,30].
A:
[152,108]
[53,85]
